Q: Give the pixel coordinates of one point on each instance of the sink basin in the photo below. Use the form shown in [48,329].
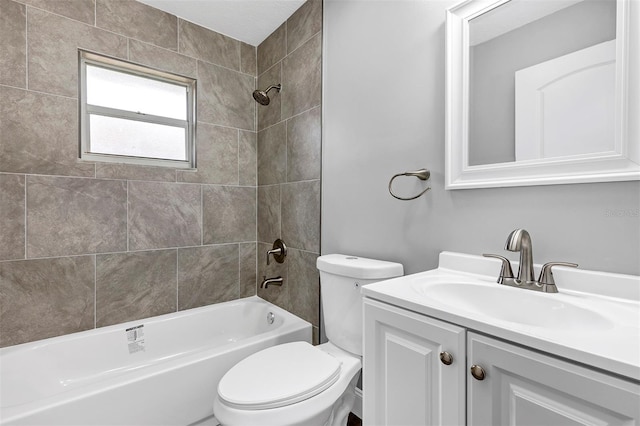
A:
[514,305]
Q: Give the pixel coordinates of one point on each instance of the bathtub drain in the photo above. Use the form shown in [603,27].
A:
[271,317]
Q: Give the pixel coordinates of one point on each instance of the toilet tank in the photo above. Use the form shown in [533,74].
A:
[341,278]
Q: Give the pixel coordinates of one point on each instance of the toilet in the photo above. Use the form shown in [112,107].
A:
[300,384]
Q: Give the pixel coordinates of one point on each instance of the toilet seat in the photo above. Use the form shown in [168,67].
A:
[279,376]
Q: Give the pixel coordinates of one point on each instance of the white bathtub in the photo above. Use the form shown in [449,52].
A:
[158,371]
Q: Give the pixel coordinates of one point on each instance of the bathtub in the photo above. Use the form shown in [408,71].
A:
[157,371]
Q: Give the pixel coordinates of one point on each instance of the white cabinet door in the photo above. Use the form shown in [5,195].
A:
[404,380]
[524,387]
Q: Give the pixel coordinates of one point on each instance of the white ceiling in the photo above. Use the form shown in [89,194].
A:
[250,21]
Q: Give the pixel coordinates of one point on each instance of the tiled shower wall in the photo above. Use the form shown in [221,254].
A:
[289,136]
[84,244]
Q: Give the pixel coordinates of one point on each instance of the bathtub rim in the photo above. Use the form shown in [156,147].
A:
[157,318]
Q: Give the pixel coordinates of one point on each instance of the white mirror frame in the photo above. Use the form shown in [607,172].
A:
[619,165]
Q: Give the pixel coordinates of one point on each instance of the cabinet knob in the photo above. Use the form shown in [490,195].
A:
[477,372]
[446,358]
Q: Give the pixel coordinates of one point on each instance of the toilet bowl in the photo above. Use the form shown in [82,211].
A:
[300,384]
[262,398]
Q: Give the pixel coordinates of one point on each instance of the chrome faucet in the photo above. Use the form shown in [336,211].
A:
[520,240]
[266,282]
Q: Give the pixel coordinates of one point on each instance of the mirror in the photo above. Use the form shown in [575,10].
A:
[541,92]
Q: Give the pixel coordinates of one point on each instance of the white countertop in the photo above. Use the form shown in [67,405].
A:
[609,341]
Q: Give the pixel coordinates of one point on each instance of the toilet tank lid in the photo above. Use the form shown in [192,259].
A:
[358,267]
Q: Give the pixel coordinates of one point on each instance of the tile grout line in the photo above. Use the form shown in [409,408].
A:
[177,280]
[114,179]
[200,59]
[284,92]
[127,251]
[254,290]
[239,56]
[286,150]
[39,92]
[178,35]
[255,284]
[288,118]
[25,216]
[26,47]
[280,209]
[95,291]
[150,250]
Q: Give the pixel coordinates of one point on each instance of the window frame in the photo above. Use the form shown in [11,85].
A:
[86,111]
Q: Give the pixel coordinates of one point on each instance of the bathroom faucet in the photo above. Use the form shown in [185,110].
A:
[520,240]
[266,282]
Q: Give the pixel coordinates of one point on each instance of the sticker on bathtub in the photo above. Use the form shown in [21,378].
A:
[135,339]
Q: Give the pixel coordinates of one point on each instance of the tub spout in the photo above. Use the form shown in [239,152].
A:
[266,282]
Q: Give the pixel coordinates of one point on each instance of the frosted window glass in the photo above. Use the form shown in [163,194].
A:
[113,89]
[136,138]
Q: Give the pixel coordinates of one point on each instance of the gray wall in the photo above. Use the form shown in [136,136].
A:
[494,63]
[383,104]
[84,244]
[289,137]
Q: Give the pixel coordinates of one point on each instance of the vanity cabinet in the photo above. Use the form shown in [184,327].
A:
[406,382]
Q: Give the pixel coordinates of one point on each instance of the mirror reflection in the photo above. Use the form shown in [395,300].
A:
[542,81]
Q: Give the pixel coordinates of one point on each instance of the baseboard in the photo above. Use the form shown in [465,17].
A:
[357,405]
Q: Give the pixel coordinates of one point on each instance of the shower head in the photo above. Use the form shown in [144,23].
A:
[262,97]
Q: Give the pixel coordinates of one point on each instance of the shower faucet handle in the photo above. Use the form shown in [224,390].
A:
[279,251]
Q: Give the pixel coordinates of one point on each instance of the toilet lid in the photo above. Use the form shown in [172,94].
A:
[278,376]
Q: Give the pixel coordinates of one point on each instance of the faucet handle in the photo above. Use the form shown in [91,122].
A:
[546,274]
[279,251]
[505,270]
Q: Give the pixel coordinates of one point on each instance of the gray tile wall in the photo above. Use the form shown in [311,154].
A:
[288,155]
[85,245]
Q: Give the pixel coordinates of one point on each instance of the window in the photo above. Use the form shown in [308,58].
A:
[134,114]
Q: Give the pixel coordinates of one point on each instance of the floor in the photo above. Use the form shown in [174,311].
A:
[354,420]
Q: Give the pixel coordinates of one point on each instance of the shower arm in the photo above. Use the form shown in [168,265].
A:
[275,86]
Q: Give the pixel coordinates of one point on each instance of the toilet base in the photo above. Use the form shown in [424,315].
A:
[340,413]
